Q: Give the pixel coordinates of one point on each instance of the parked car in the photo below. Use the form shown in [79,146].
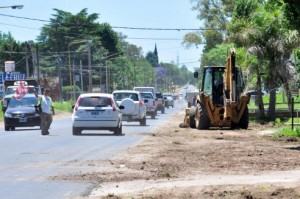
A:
[160,102]
[150,104]
[21,113]
[134,107]
[168,101]
[96,111]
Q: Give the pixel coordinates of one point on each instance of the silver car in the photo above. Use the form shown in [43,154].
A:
[96,111]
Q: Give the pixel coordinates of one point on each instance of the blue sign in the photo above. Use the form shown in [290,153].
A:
[11,76]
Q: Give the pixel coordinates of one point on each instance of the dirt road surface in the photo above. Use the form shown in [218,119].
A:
[180,163]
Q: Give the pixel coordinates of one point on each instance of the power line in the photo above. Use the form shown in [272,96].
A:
[116,27]
[19,26]
[171,39]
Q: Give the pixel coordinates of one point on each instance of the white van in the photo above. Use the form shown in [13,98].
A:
[145,89]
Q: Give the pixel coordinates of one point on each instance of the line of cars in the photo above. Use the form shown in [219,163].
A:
[107,111]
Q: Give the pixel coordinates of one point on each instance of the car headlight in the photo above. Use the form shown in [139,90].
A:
[7,114]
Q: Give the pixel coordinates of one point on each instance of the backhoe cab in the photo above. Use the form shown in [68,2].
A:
[220,102]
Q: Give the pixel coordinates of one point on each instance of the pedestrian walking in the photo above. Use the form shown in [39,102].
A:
[46,112]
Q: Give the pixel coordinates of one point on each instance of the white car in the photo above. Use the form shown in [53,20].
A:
[169,101]
[134,107]
[96,111]
[150,104]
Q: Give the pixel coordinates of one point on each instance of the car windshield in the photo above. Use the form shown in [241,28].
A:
[95,101]
[24,102]
[159,95]
[146,95]
[12,90]
[121,96]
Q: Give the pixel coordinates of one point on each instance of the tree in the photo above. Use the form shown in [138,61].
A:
[267,29]
[152,59]
[292,12]
[65,28]
[11,50]
[216,56]
[214,14]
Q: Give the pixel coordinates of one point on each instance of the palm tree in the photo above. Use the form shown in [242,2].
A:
[267,30]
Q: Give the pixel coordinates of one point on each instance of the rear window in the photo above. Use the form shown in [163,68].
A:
[147,95]
[159,95]
[121,96]
[95,101]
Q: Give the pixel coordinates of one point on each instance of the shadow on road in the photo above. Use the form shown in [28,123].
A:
[99,134]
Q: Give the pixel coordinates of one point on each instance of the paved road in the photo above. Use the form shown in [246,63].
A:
[28,159]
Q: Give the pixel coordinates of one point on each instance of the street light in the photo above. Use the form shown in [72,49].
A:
[106,65]
[13,7]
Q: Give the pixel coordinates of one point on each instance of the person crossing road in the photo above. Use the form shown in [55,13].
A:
[47,110]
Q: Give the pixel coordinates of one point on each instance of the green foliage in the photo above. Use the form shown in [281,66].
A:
[292,12]
[67,32]
[216,56]
[287,131]
[191,39]
[8,45]
[63,106]
[152,59]
[212,38]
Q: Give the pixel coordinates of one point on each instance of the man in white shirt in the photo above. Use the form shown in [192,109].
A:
[46,112]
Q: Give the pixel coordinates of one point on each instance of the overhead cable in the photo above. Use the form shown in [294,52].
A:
[115,27]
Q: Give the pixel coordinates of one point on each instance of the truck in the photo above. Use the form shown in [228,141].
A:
[221,101]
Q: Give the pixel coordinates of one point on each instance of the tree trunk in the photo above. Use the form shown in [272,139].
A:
[272,88]
[272,105]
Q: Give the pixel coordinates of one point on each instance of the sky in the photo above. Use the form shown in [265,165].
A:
[158,14]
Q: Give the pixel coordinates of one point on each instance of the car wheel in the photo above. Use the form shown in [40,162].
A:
[76,131]
[7,128]
[143,121]
[153,115]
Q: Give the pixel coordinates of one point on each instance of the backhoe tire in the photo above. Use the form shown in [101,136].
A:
[203,120]
[244,121]
[193,117]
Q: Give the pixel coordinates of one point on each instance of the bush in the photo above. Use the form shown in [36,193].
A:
[287,131]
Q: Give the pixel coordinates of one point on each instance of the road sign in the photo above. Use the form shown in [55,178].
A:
[11,76]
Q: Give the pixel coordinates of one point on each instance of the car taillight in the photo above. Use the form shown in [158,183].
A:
[141,103]
[77,103]
[113,104]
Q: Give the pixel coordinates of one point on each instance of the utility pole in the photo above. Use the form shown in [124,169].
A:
[81,79]
[89,64]
[58,61]
[27,64]
[74,82]
[37,63]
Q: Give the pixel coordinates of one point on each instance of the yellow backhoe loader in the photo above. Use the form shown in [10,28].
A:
[220,102]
